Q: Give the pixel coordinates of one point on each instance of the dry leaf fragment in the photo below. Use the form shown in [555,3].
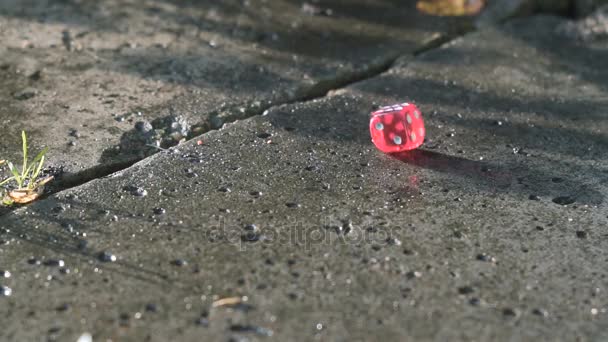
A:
[450,7]
[23,196]
[44,181]
[227,301]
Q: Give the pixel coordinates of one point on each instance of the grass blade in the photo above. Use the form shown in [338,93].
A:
[13,170]
[36,172]
[24,166]
[38,157]
[6,180]
[16,174]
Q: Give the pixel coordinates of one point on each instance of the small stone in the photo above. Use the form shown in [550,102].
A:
[159,211]
[54,263]
[143,126]
[540,312]
[250,237]
[256,193]
[413,274]
[393,241]
[136,190]
[509,312]
[464,290]
[564,200]
[5,274]
[485,257]
[251,228]
[475,301]
[63,307]
[25,94]
[534,198]
[74,133]
[179,262]
[139,192]
[35,75]
[581,234]
[409,252]
[106,257]
[33,261]
[190,173]
[5,291]
[151,307]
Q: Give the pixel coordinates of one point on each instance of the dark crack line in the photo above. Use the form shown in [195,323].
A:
[317,91]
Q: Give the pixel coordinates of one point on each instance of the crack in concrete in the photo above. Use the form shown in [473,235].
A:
[218,118]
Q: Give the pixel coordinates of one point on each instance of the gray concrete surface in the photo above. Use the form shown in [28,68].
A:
[495,230]
[78,75]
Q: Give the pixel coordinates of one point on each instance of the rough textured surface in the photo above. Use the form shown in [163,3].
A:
[592,27]
[78,75]
[494,230]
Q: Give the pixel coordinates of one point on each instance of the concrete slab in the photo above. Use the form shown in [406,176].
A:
[78,75]
[494,230]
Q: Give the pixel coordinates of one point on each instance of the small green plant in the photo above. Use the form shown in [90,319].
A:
[28,185]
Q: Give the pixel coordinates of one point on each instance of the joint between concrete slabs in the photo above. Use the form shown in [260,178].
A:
[314,92]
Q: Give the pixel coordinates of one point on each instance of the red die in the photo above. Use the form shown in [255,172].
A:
[397,128]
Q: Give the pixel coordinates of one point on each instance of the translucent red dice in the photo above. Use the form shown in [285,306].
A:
[397,128]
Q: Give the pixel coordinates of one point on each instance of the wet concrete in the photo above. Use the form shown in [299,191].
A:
[78,75]
[493,230]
